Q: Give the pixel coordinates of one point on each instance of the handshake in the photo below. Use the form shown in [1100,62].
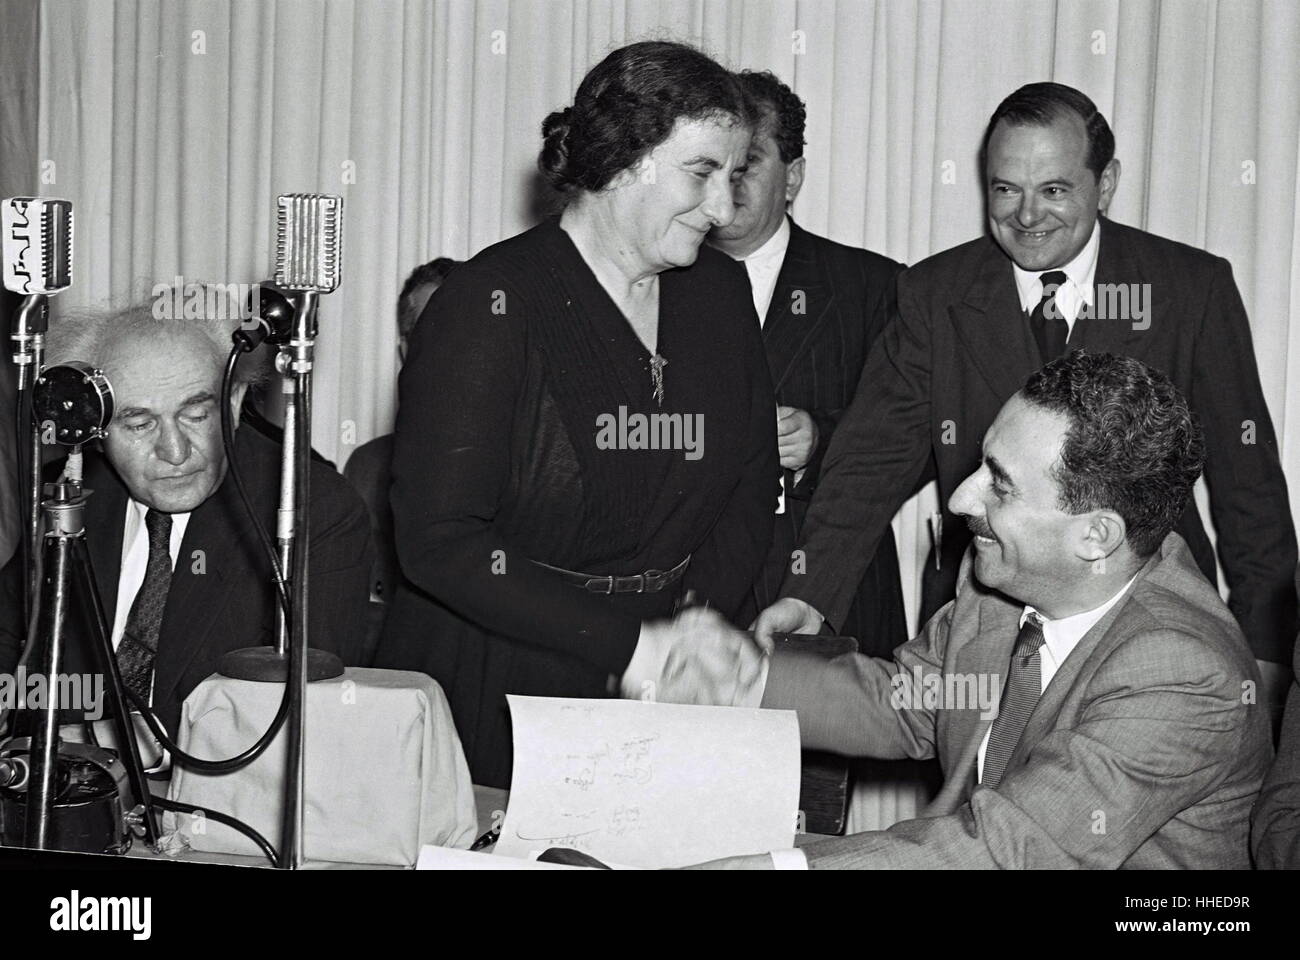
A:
[698,657]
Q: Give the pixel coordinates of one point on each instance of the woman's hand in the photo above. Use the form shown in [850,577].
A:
[697,657]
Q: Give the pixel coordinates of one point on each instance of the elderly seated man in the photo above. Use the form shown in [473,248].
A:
[1088,694]
[178,565]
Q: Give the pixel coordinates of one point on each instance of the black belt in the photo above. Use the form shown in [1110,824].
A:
[652,581]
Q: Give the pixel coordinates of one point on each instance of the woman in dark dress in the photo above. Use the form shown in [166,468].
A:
[586,430]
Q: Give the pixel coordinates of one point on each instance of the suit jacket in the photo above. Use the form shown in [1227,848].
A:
[1140,753]
[221,597]
[1275,826]
[829,304]
[958,349]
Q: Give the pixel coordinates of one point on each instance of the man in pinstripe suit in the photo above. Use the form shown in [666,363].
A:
[1127,730]
[821,305]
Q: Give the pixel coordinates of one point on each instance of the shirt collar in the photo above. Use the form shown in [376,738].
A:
[1063,635]
[1081,272]
[135,514]
[773,247]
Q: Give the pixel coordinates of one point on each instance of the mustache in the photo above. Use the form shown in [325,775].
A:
[980,528]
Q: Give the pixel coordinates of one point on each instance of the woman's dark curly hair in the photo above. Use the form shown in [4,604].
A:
[1133,446]
[627,105]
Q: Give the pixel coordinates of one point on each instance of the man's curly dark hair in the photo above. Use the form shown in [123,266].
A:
[787,112]
[1133,446]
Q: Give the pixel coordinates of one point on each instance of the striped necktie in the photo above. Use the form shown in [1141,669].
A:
[139,644]
[1024,686]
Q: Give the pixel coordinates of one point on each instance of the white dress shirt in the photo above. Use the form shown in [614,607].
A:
[1059,638]
[764,266]
[1081,273]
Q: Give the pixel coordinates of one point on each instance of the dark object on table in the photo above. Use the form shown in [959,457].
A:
[572,858]
[823,777]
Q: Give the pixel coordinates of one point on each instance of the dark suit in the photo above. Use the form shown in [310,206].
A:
[1140,753]
[960,346]
[221,596]
[1275,826]
[829,304]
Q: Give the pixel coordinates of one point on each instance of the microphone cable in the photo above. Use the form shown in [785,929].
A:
[176,806]
[228,441]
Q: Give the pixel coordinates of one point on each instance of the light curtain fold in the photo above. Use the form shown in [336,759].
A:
[174,125]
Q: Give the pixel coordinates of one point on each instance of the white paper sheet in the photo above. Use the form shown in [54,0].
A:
[650,784]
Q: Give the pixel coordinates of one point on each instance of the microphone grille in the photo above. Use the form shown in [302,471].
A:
[309,242]
[37,240]
[56,235]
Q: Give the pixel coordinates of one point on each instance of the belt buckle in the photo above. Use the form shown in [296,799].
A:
[655,577]
[640,578]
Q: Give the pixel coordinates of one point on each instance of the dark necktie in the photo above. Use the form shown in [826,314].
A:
[1024,686]
[1051,332]
[139,644]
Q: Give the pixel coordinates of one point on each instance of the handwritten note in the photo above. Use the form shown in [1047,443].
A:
[650,784]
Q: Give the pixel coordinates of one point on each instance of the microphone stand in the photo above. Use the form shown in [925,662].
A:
[308,251]
[291,660]
[296,362]
[69,576]
[30,324]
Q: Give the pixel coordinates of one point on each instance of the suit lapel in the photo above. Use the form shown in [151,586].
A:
[991,324]
[1048,709]
[200,587]
[988,654]
[105,518]
[802,285]
[1106,334]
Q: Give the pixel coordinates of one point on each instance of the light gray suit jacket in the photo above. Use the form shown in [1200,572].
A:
[1146,750]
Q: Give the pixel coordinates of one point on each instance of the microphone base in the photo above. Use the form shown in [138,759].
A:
[268,665]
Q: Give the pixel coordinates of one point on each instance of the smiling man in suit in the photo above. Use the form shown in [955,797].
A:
[179,568]
[1088,694]
[821,305]
[974,321]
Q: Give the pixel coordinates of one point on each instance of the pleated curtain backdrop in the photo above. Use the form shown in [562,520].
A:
[173,126]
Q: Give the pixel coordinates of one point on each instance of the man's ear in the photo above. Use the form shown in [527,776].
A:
[1107,183]
[1104,534]
[794,172]
[237,402]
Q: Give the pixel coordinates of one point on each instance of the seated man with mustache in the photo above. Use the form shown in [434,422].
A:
[1127,733]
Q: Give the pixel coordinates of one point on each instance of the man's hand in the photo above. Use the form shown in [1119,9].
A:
[697,657]
[796,437]
[787,615]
